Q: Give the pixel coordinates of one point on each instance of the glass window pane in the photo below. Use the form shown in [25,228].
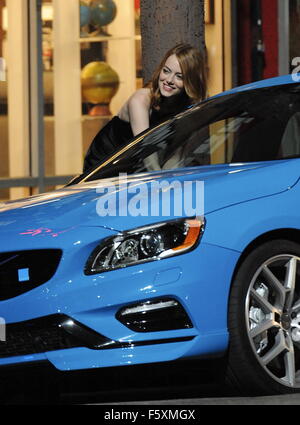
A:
[4,163]
[259,125]
[47,54]
[109,62]
[62,97]
[138,44]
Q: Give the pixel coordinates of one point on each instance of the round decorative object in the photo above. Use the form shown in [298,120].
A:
[85,14]
[103,12]
[100,83]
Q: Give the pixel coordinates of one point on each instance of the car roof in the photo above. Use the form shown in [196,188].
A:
[269,82]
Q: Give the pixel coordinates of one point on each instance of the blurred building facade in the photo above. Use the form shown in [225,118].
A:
[49,115]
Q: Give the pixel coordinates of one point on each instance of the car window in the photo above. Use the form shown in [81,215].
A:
[255,125]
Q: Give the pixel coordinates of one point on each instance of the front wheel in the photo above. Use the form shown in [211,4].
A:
[264,320]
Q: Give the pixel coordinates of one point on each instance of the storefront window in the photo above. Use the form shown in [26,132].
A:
[88,63]
[4,163]
[109,37]
[138,44]
[86,84]
[48,89]
[14,98]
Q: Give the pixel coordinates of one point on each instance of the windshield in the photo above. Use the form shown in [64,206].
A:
[250,126]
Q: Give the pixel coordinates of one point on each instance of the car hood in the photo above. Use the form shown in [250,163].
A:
[224,185]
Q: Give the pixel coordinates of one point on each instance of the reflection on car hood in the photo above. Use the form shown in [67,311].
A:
[224,185]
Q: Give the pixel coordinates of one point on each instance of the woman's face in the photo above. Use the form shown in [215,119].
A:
[170,77]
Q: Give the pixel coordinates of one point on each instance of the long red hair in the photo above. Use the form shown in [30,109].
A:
[194,72]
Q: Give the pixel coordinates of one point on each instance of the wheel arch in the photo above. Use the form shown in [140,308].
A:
[290,234]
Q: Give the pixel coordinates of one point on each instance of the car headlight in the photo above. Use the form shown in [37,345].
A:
[145,244]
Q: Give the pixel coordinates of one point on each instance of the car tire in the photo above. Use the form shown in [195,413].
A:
[264,321]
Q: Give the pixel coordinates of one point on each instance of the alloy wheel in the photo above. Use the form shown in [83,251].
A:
[273,318]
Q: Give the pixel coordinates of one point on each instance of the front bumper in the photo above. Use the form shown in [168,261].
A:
[93,302]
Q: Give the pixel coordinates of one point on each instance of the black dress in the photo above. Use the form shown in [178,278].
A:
[117,132]
[112,136]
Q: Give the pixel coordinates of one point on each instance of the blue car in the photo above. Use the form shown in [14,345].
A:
[183,244]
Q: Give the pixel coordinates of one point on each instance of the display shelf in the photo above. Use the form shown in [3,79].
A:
[104,38]
[86,117]
[101,39]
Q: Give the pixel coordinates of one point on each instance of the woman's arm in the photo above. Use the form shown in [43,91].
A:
[139,114]
[139,110]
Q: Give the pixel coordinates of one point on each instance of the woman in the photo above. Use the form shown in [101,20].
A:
[179,81]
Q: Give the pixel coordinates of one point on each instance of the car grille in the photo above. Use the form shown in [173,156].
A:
[21,271]
[55,332]
[59,332]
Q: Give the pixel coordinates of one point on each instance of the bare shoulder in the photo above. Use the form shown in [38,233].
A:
[142,96]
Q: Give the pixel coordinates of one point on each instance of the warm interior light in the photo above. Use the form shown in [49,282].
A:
[4,19]
[47,12]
